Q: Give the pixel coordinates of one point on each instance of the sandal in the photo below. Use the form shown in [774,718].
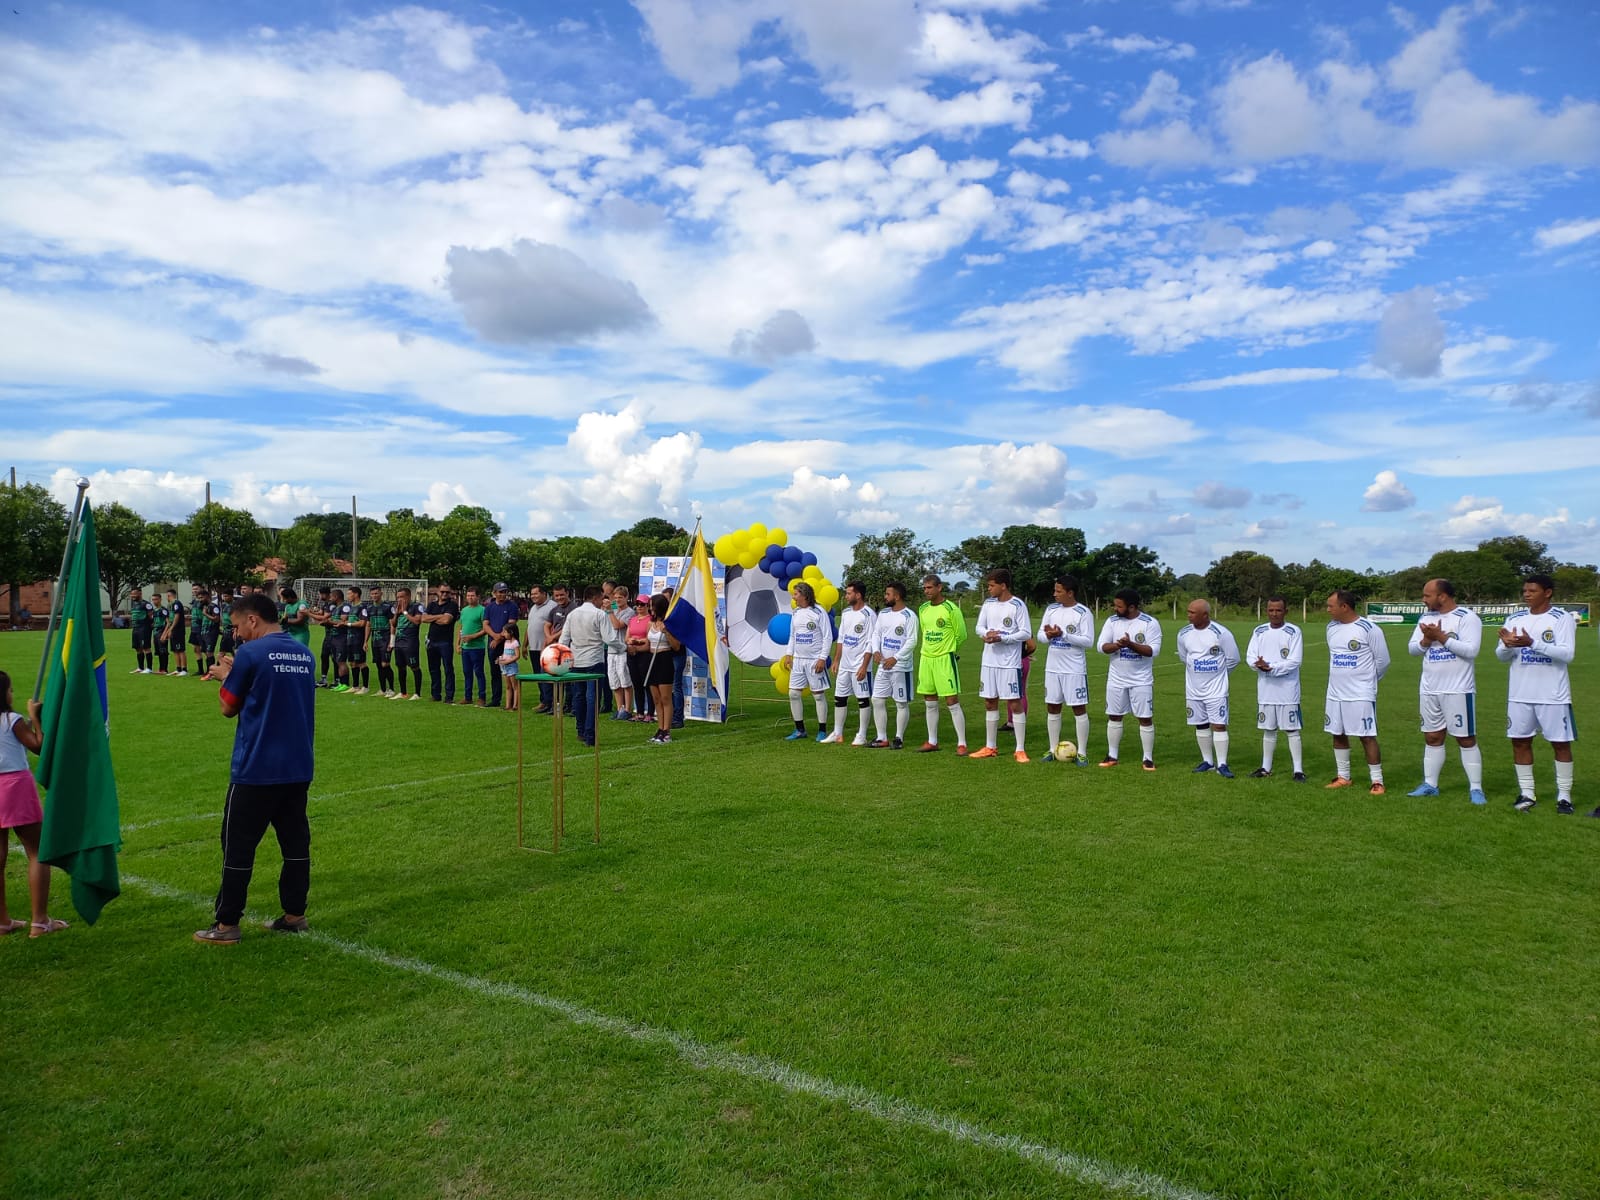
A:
[12,927]
[219,934]
[287,924]
[50,925]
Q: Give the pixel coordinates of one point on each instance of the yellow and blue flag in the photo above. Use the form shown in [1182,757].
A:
[82,829]
[694,618]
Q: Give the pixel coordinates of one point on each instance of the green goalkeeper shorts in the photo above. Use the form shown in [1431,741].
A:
[938,676]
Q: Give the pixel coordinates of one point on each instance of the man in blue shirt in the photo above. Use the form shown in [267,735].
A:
[496,613]
[269,685]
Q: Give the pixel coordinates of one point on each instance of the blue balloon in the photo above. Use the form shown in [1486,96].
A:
[791,554]
[808,559]
[778,628]
[793,570]
[765,565]
[774,552]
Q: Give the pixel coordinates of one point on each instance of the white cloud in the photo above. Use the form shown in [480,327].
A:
[1097,38]
[904,115]
[784,333]
[1257,530]
[1410,338]
[1162,96]
[444,497]
[536,293]
[1053,146]
[1475,518]
[1266,112]
[1175,144]
[1567,233]
[822,504]
[1221,495]
[1271,377]
[1387,494]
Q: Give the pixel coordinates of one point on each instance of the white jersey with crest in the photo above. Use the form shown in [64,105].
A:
[1127,668]
[895,636]
[1284,649]
[1207,655]
[1066,654]
[810,634]
[1539,671]
[1008,618]
[1447,670]
[1357,658]
[855,638]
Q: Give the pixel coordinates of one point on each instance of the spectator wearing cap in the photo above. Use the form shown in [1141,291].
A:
[639,658]
[497,614]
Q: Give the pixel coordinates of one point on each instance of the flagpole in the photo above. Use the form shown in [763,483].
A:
[57,591]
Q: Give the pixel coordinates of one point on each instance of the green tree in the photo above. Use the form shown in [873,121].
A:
[1478,575]
[478,515]
[578,562]
[1522,554]
[33,533]
[1243,577]
[406,514]
[880,558]
[624,549]
[529,561]
[659,530]
[122,539]
[405,547]
[1191,584]
[304,551]
[219,545]
[468,553]
[1577,582]
[335,528]
[161,545]
[1405,584]
[973,556]
[1117,565]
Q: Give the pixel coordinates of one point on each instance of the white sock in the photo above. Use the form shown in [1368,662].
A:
[840,712]
[822,712]
[991,728]
[1375,770]
[1221,740]
[880,716]
[1432,764]
[1297,753]
[1019,723]
[902,720]
[930,708]
[1147,739]
[864,713]
[1525,780]
[959,719]
[797,707]
[1113,738]
[1563,781]
[1052,729]
[1341,762]
[1203,736]
[1269,747]
[1082,720]
[1472,764]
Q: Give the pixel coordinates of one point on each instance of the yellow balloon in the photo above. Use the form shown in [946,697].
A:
[827,595]
[775,669]
[758,532]
[723,550]
[792,584]
[781,686]
[749,558]
[812,574]
[777,537]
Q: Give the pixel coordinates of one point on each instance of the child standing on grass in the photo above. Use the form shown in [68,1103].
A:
[510,651]
[20,810]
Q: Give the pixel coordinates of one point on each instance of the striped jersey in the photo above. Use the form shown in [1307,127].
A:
[1447,670]
[1207,655]
[895,636]
[855,638]
[1284,650]
[1539,671]
[1357,658]
[1130,669]
[1066,654]
[1008,618]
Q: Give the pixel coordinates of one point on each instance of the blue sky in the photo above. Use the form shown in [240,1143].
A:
[1207,275]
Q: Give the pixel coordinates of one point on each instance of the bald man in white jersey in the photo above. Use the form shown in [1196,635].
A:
[1208,653]
[1539,641]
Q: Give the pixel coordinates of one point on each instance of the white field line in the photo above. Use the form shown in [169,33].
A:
[534,767]
[700,1054]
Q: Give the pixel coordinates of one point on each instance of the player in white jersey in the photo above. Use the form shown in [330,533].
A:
[1539,641]
[1276,652]
[853,675]
[1357,658]
[893,644]
[1208,652]
[810,647]
[1067,628]
[1132,638]
[1003,626]
[1447,645]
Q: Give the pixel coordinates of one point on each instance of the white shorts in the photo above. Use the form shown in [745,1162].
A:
[1455,713]
[1352,718]
[1554,721]
[892,685]
[1139,701]
[617,671]
[848,685]
[1207,712]
[1061,688]
[1000,683]
[802,676]
[1278,716]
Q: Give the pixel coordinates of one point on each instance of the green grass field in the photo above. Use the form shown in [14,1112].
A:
[802,970]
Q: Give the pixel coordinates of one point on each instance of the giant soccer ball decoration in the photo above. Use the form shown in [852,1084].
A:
[555,659]
[754,598]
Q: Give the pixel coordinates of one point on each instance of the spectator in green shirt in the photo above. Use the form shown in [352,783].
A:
[473,639]
[296,616]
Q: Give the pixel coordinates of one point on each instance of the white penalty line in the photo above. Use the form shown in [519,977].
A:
[888,1109]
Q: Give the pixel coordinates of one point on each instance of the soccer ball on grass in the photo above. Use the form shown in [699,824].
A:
[1066,751]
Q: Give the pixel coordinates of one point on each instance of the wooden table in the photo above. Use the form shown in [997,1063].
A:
[558,766]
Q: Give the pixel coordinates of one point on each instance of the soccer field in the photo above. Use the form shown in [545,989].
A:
[804,970]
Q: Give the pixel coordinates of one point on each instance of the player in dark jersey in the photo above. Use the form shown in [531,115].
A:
[319,616]
[221,605]
[354,615]
[202,632]
[380,620]
[333,643]
[178,631]
[159,616]
[407,644]
[141,614]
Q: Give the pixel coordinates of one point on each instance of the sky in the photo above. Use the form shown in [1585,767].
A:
[1206,275]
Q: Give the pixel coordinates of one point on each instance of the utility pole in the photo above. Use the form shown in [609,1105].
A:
[355,538]
[13,479]
[208,491]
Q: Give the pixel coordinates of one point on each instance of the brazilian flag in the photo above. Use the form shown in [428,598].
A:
[82,828]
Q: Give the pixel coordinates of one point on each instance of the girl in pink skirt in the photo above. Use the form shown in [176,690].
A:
[20,811]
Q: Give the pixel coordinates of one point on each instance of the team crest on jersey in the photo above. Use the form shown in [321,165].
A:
[1006,623]
[1549,635]
[939,622]
[1215,649]
[1072,629]
[1355,643]
[1283,652]
[1139,637]
[899,631]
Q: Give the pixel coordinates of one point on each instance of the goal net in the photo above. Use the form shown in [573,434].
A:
[307,589]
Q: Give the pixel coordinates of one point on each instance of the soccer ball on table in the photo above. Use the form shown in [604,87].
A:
[555,659]
[1066,751]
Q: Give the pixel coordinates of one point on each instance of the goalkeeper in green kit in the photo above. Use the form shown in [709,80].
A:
[943,629]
